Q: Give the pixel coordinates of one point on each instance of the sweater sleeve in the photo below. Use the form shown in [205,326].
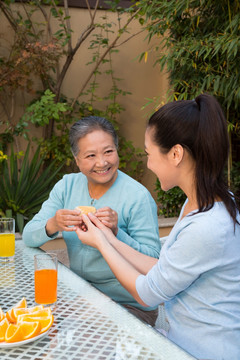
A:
[196,251]
[142,229]
[34,233]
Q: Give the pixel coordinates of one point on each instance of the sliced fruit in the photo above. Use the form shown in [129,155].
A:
[86,209]
[45,322]
[2,315]
[21,304]
[22,331]
[3,328]
[30,310]
[45,312]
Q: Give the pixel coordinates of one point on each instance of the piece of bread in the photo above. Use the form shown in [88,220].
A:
[86,209]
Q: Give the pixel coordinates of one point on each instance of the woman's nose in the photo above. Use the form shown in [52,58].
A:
[101,161]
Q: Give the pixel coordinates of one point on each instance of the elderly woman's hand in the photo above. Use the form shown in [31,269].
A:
[108,217]
[64,220]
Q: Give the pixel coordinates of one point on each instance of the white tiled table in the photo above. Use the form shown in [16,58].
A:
[88,325]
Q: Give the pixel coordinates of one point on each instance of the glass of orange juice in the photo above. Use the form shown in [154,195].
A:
[7,239]
[45,273]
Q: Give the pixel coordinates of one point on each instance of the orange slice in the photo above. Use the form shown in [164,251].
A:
[2,315]
[22,331]
[21,304]
[45,322]
[86,209]
[45,312]
[3,328]
[20,311]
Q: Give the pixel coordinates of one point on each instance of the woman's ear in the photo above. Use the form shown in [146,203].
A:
[177,153]
[77,162]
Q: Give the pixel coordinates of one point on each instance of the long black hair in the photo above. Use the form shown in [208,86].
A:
[200,126]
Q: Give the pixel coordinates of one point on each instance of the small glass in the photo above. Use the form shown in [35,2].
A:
[45,273]
[7,239]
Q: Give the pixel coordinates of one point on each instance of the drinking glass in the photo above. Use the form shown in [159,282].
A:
[45,273]
[7,239]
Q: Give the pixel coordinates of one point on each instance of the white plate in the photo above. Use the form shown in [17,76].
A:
[4,345]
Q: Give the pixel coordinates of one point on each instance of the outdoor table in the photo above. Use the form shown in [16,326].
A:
[87,324]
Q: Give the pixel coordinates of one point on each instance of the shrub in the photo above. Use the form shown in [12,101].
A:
[23,187]
[170,202]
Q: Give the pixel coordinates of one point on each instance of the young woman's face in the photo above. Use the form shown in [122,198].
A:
[98,158]
[160,163]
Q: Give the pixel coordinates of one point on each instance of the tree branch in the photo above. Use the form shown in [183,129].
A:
[68,25]
[46,17]
[111,46]
[69,60]
[28,17]
[130,37]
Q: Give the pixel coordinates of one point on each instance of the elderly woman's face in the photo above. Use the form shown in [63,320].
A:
[98,157]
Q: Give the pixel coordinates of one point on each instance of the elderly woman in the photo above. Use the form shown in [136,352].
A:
[123,205]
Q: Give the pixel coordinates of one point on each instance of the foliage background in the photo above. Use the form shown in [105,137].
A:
[200,48]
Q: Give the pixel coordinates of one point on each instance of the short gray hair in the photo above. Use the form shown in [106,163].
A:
[87,125]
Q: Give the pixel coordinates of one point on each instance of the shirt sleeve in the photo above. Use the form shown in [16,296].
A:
[197,250]
[142,229]
[34,233]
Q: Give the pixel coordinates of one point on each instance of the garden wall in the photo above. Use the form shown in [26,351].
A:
[142,79]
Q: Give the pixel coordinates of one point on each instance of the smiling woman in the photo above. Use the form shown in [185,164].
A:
[123,205]
[98,160]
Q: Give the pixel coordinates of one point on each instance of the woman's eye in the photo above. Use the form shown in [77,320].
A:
[109,151]
[90,156]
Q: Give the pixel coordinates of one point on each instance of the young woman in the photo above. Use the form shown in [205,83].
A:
[198,271]
[123,205]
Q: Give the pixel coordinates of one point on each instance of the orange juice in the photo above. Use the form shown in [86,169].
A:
[45,286]
[7,245]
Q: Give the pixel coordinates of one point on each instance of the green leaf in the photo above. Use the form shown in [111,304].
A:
[25,185]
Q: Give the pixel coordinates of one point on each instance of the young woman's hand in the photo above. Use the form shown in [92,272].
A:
[99,236]
[109,218]
[92,235]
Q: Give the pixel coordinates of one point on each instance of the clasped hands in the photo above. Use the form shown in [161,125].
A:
[70,220]
[95,232]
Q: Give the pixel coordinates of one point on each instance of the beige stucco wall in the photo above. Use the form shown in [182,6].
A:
[141,79]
